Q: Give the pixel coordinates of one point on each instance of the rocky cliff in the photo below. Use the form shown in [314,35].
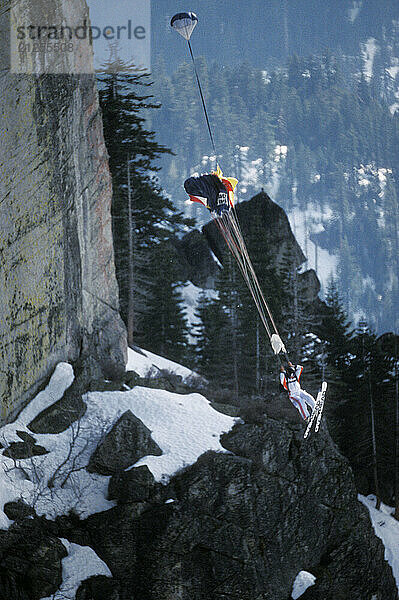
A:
[58,292]
[243,525]
[201,252]
[238,525]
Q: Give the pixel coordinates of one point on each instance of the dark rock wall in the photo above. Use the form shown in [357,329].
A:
[261,210]
[242,525]
[195,260]
[236,525]
[58,291]
[195,249]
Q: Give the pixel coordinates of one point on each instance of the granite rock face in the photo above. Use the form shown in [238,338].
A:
[98,588]
[261,209]
[196,261]
[242,525]
[58,291]
[201,253]
[30,562]
[135,485]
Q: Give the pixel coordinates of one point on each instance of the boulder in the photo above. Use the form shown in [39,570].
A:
[127,442]
[261,209]
[135,485]
[17,511]
[21,450]
[60,415]
[30,562]
[243,524]
[196,261]
[132,379]
[98,587]
[25,436]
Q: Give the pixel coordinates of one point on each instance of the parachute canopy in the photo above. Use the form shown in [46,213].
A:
[213,191]
[184,23]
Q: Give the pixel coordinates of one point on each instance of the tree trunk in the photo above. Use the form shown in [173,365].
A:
[130,306]
[396,515]
[257,357]
[373,437]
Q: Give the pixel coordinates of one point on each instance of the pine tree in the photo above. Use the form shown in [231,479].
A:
[335,332]
[211,335]
[132,150]
[218,345]
[366,410]
[164,326]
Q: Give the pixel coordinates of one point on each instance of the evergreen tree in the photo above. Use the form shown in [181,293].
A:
[164,327]
[334,330]
[211,339]
[368,413]
[132,150]
[218,346]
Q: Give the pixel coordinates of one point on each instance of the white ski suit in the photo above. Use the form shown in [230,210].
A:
[298,397]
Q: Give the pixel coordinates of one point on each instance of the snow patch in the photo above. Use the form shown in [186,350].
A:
[80,564]
[302,582]
[191,294]
[184,426]
[386,527]
[280,150]
[393,70]
[144,362]
[369,50]
[215,258]
[304,223]
[354,10]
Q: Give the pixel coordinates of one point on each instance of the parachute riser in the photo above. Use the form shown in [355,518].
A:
[203,101]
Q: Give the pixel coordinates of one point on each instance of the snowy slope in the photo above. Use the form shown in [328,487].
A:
[146,363]
[386,527]
[80,564]
[184,426]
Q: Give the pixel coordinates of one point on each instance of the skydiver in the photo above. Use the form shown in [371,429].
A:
[289,378]
[212,190]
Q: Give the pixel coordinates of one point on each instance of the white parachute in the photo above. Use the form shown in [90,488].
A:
[184,23]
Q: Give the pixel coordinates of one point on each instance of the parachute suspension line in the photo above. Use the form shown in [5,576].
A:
[203,102]
[229,226]
[253,286]
[228,234]
[228,223]
[235,223]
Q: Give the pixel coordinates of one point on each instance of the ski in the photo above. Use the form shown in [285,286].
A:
[322,399]
[317,411]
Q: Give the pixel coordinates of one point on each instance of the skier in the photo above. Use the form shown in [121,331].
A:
[289,378]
